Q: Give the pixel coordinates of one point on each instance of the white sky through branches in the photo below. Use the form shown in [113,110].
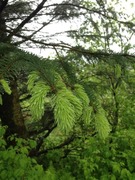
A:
[127,6]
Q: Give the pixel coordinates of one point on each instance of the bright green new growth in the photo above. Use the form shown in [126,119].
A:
[5,86]
[67,109]
[81,94]
[0,99]
[102,124]
[86,116]
[37,101]
[39,91]
[31,80]
[70,103]
[68,106]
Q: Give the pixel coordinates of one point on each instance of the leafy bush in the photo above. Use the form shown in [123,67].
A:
[14,160]
[95,159]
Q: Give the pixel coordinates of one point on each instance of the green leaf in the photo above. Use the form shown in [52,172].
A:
[24,150]
[125,174]
[5,86]
[50,173]
[113,177]
[23,163]
[32,143]
[116,167]
[2,130]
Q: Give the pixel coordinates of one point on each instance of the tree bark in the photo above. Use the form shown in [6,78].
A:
[10,113]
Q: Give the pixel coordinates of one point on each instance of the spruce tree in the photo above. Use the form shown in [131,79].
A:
[48,92]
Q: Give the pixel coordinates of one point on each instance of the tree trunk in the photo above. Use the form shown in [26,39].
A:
[10,112]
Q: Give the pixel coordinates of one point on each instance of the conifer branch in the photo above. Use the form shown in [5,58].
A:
[68,47]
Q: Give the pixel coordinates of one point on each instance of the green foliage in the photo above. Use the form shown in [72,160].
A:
[102,124]
[0,99]
[51,79]
[67,105]
[86,116]
[104,154]
[37,101]
[14,160]
[5,86]
[87,110]
[53,174]
[67,109]
[50,173]
[113,159]
[81,94]
[89,93]
[32,78]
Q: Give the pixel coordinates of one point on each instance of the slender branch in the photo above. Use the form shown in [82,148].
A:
[66,142]
[35,152]
[28,18]
[94,10]
[41,140]
[37,132]
[35,32]
[82,51]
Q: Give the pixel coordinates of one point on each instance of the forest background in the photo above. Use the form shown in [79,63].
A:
[69,115]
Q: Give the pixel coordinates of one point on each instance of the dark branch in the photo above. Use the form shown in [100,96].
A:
[66,142]
[94,10]
[35,152]
[80,50]
[47,127]
[3,5]
[35,32]
[25,21]
[40,141]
